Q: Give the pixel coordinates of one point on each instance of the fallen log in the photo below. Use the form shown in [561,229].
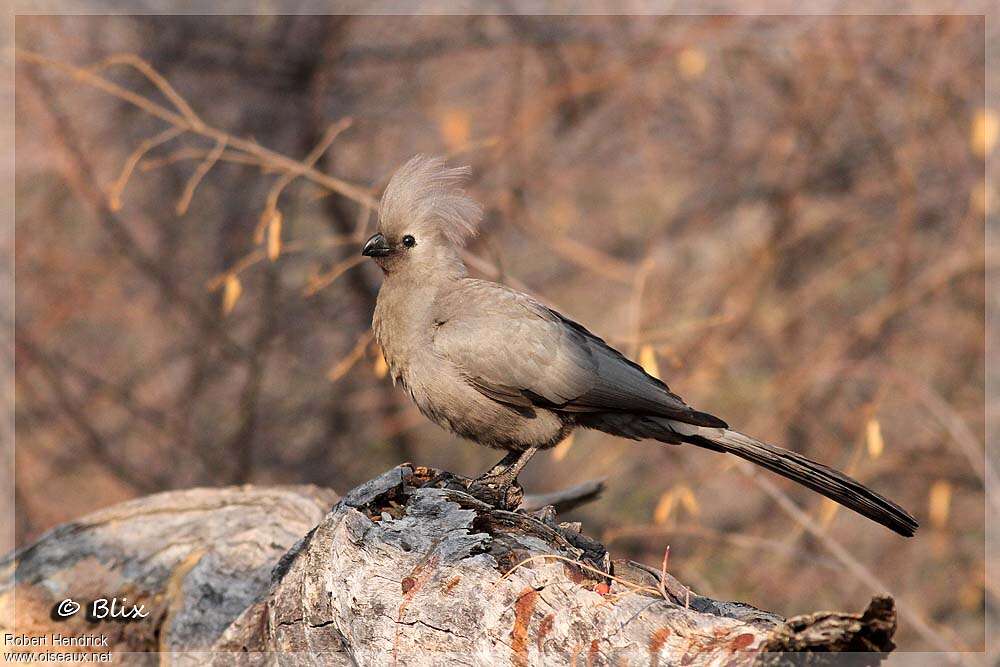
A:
[408,569]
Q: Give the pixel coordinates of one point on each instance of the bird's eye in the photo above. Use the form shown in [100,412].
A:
[409,241]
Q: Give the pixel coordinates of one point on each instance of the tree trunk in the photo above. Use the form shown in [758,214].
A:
[392,574]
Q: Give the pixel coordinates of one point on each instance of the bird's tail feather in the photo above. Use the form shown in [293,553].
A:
[831,483]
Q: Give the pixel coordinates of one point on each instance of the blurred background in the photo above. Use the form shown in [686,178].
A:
[780,216]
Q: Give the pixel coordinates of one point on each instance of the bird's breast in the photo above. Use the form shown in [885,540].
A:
[443,395]
[441,391]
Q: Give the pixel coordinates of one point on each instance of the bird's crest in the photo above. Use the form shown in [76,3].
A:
[426,193]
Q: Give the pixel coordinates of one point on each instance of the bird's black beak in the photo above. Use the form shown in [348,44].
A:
[376,246]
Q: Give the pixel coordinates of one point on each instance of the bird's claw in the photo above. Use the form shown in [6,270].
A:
[502,496]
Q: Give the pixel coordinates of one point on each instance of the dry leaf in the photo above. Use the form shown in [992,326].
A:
[455,128]
[664,508]
[560,451]
[231,291]
[692,63]
[380,368]
[647,359]
[939,503]
[688,501]
[274,236]
[873,438]
[985,128]
[261,228]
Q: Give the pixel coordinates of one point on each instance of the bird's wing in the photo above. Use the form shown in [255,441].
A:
[517,351]
[510,349]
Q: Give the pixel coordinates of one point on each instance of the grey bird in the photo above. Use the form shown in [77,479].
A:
[497,367]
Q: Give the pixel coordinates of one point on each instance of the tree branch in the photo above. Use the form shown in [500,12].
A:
[407,568]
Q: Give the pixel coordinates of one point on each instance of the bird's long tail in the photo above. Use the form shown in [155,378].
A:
[831,483]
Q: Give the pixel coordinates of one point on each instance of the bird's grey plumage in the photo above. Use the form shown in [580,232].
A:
[498,367]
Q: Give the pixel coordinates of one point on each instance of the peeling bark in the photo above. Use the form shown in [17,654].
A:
[402,572]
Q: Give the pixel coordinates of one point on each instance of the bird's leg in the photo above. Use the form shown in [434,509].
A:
[499,485]
[503,464]
[519,464]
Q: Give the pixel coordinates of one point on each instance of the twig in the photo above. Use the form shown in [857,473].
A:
[668,585]
[643,531]
[265,155]
[604,575]
[316,283]
[271,206]
[584,256]
[116,189]
[953,423]
[134,61]
[663,572]
[566,499]
[347,363]
[79,174]
[258,255]
[243,151]
[364,214]
[199,173]
[88,77]
[188,153]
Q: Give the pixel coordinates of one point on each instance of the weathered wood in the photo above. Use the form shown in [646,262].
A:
[196,559]
[398,572]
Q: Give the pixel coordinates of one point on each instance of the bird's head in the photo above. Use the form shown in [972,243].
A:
[424,217]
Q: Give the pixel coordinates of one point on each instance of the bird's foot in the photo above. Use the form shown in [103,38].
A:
[500,493]
[438,480]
